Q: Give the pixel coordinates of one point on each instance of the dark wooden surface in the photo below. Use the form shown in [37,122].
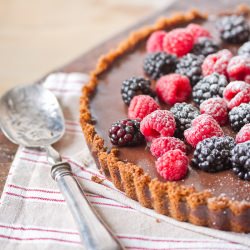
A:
[87,61]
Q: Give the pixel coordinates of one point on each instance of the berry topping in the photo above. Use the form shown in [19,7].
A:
[159,123]
[173,88]
[244,49]
[184,114]
[142,105]
[217,108]
[126,133]
[217,62]
[158,64]
[209,87]
[233,29]
[239,116]
[213,154]
[161,145]
[197,31]
[173,165]
[244,134]
[155,41]
[241,160]
[190,66]
[203,127]
[205,46]
[178,42]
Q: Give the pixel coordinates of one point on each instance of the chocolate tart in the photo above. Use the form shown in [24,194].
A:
[220,201]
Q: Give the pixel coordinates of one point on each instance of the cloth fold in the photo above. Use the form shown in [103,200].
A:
[34,215]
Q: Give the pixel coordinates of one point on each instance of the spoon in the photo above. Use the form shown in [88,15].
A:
[31,117]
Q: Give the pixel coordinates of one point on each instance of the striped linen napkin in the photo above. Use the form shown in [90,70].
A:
[33,213]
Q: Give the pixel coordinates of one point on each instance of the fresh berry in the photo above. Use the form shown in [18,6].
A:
[155,41]
[239,116]
[178,42]
[126,133]
[197,31]
[244,134]
[161,145]
[205,46]
[244,49]
[217,108]
[190,66]
[217,63]
[213,154]
[173,88]
[159,123]
[135,86]
[158,64]
[141,106]
[209,87]
[184,114]
[233,29]
[241,160]
[173,165]
[203,127]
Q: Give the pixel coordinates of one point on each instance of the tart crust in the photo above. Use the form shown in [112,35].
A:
[181,202]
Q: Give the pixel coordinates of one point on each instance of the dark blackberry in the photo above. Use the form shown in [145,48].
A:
[158,64]
[210,86]
[244,49]
[241,160]
[205,46]
[233,29]
[239,116]
[213,154]
[184,114]
[135,86]
[126,133]
[190,66]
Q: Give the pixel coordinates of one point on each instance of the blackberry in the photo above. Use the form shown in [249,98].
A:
[184,114]
[126,133]
[244,49]
[214,154]
[190,66]
[158,64]
[135,86]
[233,29]
[205,46]
[210,86]
[239,116]
[241,160]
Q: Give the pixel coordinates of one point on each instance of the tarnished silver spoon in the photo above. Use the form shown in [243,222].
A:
[31,117]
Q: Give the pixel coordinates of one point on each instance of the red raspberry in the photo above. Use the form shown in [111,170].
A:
[173,165]
[178,42]
[203,127]
[217,108]
[161,145]
[244,134]
[216,62]
[197,31]
[141,105]
[159,123]
[173,88]
[239,68]
[155,41]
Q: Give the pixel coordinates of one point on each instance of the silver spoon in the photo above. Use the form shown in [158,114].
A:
[31,117]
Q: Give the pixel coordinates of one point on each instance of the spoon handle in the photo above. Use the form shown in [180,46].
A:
[93,231]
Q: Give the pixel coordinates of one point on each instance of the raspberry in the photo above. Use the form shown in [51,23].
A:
[173,88]
[142,105]
[217,62]
[159,123]
[205,46]
[173,165]
[197,31]
[244,134]
[203,127]
[217,108]
[178,42]
[155,41]
[161,145]
[244,49]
